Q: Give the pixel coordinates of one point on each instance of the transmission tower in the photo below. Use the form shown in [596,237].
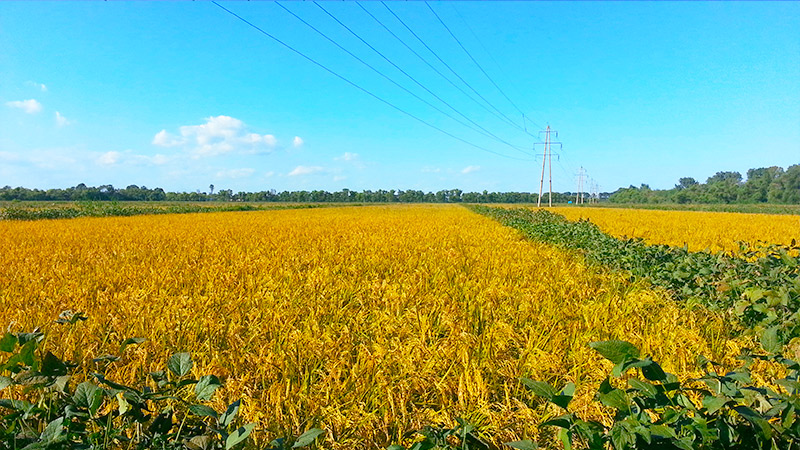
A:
[547,158]
[581,175]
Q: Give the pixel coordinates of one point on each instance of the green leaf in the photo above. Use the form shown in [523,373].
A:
[52,366]
[5,382]
[200,443]
[663,430]
[643,387]
[52,431]
[8,342]
[238,436]
[653,371]
[180,364]
[563,398]
[24,357]
[616,351]
[229,414]
[770,341]
[527,444]
[713,404]
[307,438]
[540,388]
[204,389]
[203,411]
[763,427]
[615,399]
[395,447]
[88,396]
[130,341]
[564,421]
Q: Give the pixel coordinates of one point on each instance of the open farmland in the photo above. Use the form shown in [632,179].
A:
[367,322]
[699,230]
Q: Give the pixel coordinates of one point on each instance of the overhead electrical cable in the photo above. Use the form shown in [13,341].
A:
[422,58]
[486,50]
[501,115]
[357,36]
[471,58]
[362,89]
[384,75]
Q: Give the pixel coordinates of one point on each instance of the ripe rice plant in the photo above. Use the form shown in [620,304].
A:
[697,230]
[369,322]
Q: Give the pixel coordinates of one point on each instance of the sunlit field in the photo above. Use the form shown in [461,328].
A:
[698,230]
[367,322]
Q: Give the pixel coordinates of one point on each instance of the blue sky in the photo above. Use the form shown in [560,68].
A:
[181,95]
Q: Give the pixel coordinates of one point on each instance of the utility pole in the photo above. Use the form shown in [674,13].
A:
[581,174]
[547,159]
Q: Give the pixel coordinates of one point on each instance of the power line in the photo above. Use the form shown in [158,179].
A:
[471,58]
[388,78]
[486,132]
[500,116]
[364,90]
[491,56]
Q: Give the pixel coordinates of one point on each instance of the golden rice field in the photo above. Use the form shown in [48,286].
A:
[699,230]
[367,322]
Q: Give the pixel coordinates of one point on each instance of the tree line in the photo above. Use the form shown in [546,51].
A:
[763,185]
[108,192]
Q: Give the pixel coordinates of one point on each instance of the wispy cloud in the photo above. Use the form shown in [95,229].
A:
[305,170]
[39,86]
[109,158]
[297,142]
[428,169]
[470,169]
[236,173]
[218,135]
[30,106]
[347,156]
[62,121]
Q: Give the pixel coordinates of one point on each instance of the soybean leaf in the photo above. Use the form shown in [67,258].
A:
[200,443]
[203,411]
[130,341]
[206,386]
[8,342]
[615,399]
[653,371]
[540,388]
[229,414]
[563,398]
[180,364]
[616,351]
[713,404]
[643,387]
[307,438]
[770,340]
[52,366]
[238,436]
[5,382]
[52,431]
[88,396]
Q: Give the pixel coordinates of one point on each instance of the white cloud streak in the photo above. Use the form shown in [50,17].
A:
[62,121]
[305,170]
[297,142]
[30,106]
[470,169]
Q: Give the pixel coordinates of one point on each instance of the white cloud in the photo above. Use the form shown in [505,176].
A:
[297,142]
[62,121]
[164,139]
[347,156]
[235,173]
[305,170]
[431,169]
[109,158]
[159,159]
[339,178]
[30,106]
[470,169]
[269,174]
[39,86]
[218,135]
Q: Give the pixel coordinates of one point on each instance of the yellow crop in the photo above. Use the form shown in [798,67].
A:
[367,322]
[698,229]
